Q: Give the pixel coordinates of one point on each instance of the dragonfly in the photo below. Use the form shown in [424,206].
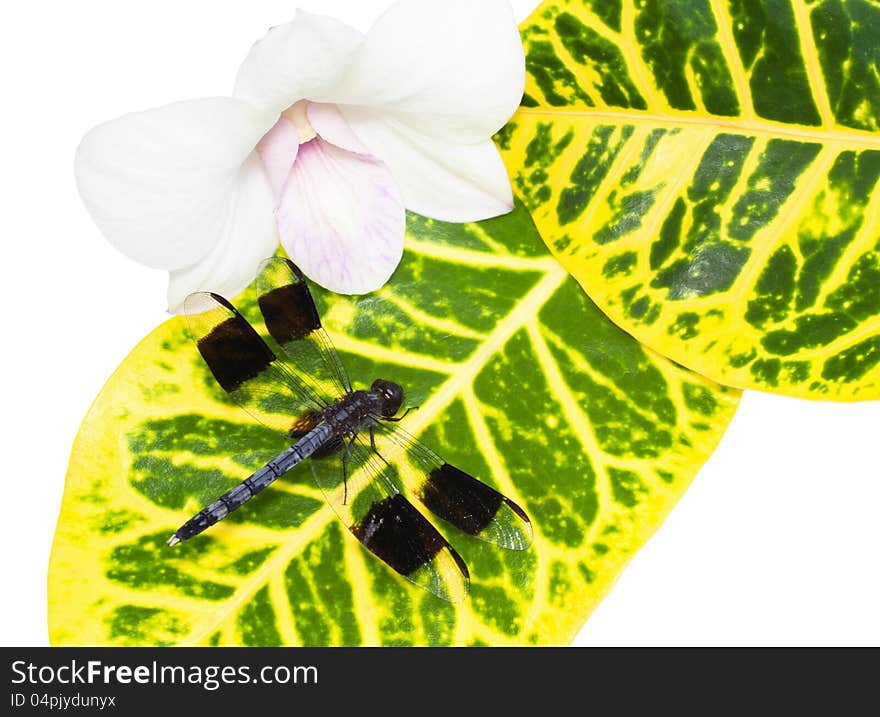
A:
[293,381]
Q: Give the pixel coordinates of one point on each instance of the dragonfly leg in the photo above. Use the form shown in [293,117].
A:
[373,446]
[345,450]
[399,418]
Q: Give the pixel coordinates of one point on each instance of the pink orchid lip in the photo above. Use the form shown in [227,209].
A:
[338,210]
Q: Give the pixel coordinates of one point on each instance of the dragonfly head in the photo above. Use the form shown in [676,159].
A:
[391,394]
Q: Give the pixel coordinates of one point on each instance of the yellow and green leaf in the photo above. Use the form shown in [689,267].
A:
[520,380]
[709,171]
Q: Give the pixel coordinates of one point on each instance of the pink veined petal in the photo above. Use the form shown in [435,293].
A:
[249,237]
[442,180]
[341,218]
[278,150]
[452,70]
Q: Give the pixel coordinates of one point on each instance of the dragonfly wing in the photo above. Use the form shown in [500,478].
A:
[292,319]
[263,384]
[450,493]
[387,524]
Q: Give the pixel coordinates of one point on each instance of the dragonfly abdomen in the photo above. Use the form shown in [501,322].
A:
[253,484]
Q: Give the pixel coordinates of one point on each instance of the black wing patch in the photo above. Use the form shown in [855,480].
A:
[291,317]
[233,350]
[460,499]
[397,533]
[289,312]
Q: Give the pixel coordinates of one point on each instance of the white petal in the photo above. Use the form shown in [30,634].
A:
[450,182]
[159,183]
[341,218]
[300,59]
[453,70]
[249,236]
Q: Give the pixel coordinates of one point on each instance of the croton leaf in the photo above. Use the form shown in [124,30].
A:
[708,171]
[519,379]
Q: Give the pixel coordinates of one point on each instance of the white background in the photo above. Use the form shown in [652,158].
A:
[774,544]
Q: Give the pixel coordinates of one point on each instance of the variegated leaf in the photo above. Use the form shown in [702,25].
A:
[520,380]
[708,170]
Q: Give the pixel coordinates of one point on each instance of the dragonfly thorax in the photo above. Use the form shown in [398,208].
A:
[353,412]
[391,395]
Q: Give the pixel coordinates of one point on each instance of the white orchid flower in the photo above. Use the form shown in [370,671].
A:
[329,135]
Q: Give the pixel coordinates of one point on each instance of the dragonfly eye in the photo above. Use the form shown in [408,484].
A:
[391,394]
